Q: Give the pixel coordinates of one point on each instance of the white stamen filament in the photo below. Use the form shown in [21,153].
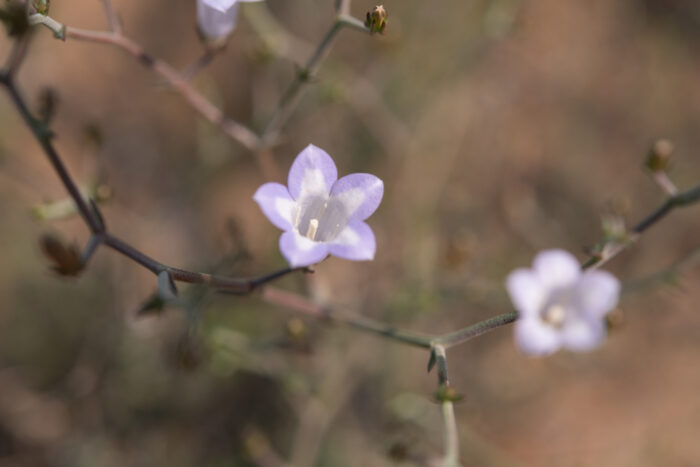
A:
[313,227]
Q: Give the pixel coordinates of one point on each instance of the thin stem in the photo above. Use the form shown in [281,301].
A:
[343,7]
[682,199]
[201,63]
[470,332]
[303,305]
[17,54]
[666,275]
[43,136]
[209,111]
[451,458]
[112,18]
[238,285]
[94,242]
[97,228]
[665,183]
[451,435]
[292,96]
[441,364]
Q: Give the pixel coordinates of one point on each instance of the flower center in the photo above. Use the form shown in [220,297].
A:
[554,315]
[320,218]
[558,309]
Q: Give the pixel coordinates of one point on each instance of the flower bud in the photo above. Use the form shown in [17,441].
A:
[659,157]
[376,19]
[41,6]
[216,19]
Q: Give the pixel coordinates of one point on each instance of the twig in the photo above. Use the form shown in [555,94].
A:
[17,53]
[343,7]
[682,199]
[112,18]
[93,219]
[470,332]
[667,275]
[291,97]
[209,111]
[665,183]
[43,136]
[308,307]
[451,458]
[201,63]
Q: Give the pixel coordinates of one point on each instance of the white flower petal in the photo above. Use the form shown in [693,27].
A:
[221,5]
[556,268]
[359,193]
[300,251]
[582,335]
[355,242]
[277,204]
[313,173]
[526,292]
[214,22]
[533,337]
[597,293]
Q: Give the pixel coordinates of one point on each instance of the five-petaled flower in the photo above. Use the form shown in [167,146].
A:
[319,213]
[217,18]
[560,305]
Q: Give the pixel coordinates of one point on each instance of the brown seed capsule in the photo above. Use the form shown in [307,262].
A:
[659,157]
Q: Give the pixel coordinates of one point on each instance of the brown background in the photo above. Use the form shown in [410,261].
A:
[500,128]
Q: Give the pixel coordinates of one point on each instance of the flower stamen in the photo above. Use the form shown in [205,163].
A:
[313,228]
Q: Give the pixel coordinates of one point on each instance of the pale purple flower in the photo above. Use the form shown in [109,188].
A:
[320,214]
[217,18]
[560,305]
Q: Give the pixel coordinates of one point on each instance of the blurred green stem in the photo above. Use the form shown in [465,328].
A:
[292,96]
[304,305]
[451,458]
[470,332]
[112,18]
[679,200]
[667,275]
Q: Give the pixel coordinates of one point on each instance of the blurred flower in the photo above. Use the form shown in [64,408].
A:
[560,305]
[217,18]
[321,215]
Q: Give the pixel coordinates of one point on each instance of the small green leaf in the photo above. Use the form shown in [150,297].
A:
[166,287]
[432,361]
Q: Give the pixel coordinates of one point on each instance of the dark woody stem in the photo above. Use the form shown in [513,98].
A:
[93,218]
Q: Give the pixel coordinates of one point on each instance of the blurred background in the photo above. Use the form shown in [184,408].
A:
[500,128]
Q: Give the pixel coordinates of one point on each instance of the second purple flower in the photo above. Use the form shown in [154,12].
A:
[320,214]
